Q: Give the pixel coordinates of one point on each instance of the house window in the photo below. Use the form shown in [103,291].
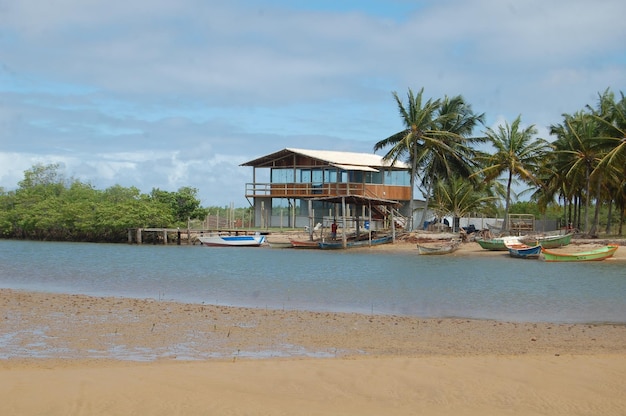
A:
[282,176]
[398,177]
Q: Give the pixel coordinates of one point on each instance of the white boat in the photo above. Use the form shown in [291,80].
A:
[216,240]
[441,248]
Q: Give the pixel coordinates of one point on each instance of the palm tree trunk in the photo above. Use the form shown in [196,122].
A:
[608,220]
[621,218]
[412,182]
[596,214]
[587,201]
[429,188]
[505,222]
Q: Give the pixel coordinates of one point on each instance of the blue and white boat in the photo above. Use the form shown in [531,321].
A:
[219,240]
[522,251]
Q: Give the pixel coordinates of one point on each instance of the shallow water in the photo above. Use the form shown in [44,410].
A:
[484,287]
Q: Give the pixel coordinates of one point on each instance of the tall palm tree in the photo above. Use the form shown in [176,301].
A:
[516,154]
[579,153]
[448,150]
[434,139]
[418,120]
[611,116]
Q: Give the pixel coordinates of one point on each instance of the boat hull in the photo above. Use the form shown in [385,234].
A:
[550,241]
[599,254]
[335,245]
[525,252]
[497,244]
[280,244]
[440,249]
[304,243]
[232,240]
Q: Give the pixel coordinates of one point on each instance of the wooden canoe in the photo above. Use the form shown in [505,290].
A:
[437,249]
[304,243]
[497,244]
[548,241]
[356,243]
[589,255]
[522,251]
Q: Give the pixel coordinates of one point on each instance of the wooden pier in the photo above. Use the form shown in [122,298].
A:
[177,235]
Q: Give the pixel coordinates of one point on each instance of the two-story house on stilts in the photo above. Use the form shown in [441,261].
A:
[298,188]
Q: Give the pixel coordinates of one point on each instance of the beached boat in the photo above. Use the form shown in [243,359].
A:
[523,251]
[498,243]
[356,243]
[597,254]
[436,249]
[548,241]
[495,228]
[304,243]
[218,240]
[279,244]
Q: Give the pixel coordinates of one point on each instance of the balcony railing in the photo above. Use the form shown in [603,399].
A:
[313,190]
[304,190]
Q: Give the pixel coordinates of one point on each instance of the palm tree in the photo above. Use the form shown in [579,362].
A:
[611,117]
[516,155]
[458,196]
[579,153]
[417,119]
[434,139]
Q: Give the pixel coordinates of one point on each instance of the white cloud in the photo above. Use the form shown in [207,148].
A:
[168,94]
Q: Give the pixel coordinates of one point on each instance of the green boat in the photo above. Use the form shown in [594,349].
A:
[548,241]
[356,243]
[498,243]
[590,255]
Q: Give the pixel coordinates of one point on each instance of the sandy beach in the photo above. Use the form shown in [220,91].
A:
[117,356]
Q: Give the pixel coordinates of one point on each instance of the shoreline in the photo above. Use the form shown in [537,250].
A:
[59,326]
[225,360]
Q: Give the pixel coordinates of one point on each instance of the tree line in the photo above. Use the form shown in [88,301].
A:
[46,206]
[583,169]
[581,173]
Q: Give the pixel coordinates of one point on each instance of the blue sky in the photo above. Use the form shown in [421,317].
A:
[164,94]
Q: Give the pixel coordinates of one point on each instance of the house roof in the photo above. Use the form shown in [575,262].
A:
[342,160]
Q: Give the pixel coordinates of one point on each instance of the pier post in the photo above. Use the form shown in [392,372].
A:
[139,235]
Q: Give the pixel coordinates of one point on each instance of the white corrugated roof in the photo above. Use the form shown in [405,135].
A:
[354,167]
[348,158]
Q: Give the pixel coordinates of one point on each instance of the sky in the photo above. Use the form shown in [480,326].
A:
[169,94]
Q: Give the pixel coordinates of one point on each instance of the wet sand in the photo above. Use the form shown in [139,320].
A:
[80,355]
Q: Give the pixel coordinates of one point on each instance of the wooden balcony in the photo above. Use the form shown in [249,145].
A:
[310,190]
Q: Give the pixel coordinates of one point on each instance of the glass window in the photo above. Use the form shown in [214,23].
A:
[398,177]
[317,176]
[330,175]
[281,175]
[355,176]
[305,175]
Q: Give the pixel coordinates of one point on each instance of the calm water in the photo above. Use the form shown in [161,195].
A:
[354,280]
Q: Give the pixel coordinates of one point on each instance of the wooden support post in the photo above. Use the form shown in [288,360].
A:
[130,236]
[344,241]
[311,219]
[369,228]
[393,227]
[139,235]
